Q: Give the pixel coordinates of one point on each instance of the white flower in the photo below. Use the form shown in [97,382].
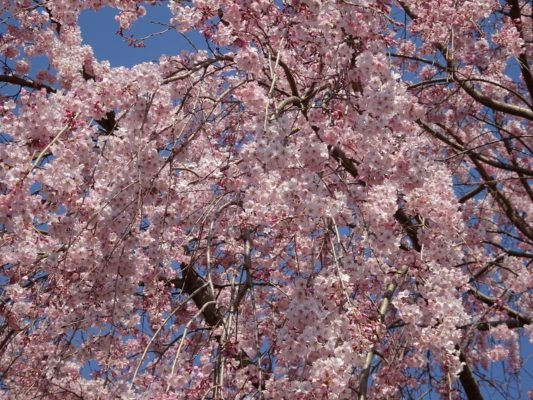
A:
[9,105]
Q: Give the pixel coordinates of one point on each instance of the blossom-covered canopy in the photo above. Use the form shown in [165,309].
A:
[329,200]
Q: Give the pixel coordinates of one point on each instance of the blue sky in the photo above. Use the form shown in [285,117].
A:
[99,29]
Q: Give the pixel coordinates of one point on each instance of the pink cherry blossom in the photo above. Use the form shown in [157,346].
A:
[330,201]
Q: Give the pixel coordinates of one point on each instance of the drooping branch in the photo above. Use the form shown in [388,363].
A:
[383,308]
[410,228]
[466,376]
[469,88]
[505,204]
[460,147]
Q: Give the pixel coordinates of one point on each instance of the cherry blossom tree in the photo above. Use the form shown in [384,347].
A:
[329,200]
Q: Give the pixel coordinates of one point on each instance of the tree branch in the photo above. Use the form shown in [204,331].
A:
[515,15]
[16,80]
[491,301]
[468,381]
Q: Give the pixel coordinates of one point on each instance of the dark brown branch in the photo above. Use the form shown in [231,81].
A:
[428,61]
[504,203]
[510,252]
[194,285]
[7,338]
[457,146]
[490,102]
[247,268]
[512,157]
[290,77]
[348,163]
[108,123]
[410,13]
[491,301]
[469,88]
[466,377]
[515,15]
[480,97]
[16,80]
[409,227]
[469,195]
[487,325]
[468,381]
